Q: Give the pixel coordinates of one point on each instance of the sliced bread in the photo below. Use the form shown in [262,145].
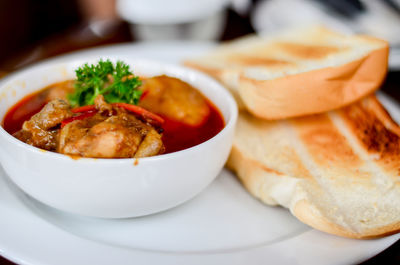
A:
[338,172]
[297,72]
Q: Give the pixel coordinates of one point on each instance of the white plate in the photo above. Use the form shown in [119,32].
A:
[223,225]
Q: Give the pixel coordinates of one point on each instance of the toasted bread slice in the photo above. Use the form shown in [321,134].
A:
[298,72]
[338,172]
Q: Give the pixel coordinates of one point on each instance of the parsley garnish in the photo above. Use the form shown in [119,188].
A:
[115,82]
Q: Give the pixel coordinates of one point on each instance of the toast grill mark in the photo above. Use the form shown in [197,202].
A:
[367,120]
[307,51]
[244,59]
[324,142]
[371,131]
[212,71]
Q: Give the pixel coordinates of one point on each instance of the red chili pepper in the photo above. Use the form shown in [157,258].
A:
[85,115]
[84,109]
[144,94]
[90,110]
[141,111]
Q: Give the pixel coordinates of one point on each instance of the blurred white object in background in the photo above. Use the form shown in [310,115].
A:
[174,19]
[380,20]
[376,18]
[242,7]
[274,15]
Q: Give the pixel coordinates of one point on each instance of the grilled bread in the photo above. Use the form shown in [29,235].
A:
[297,72]
[338,172]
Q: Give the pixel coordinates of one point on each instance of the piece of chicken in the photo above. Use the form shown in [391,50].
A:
[119,136]
[151,145]
[40,130]
[174,99]
[111,133]
[50,115]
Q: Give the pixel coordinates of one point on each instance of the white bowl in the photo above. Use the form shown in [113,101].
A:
[113,188]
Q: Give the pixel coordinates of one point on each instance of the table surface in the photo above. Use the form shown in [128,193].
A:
[120,33]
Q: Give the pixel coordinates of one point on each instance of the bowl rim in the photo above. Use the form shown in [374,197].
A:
[67,60]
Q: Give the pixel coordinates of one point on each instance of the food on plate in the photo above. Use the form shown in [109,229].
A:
[174,99]
[311,136]
[298,72]
[108,112]
[98,114]
[337,171]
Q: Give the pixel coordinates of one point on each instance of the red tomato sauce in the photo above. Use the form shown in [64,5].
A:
[23,111]
[178,136]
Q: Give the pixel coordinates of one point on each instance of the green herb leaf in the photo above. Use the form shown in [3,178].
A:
[115,82]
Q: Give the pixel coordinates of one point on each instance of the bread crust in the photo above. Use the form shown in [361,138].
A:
[314,91]
[306,212]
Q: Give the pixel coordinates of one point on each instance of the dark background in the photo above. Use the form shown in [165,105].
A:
[33,30]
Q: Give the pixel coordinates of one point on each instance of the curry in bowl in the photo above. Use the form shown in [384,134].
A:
[108,112]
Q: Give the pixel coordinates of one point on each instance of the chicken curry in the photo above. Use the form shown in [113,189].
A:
[133,118]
